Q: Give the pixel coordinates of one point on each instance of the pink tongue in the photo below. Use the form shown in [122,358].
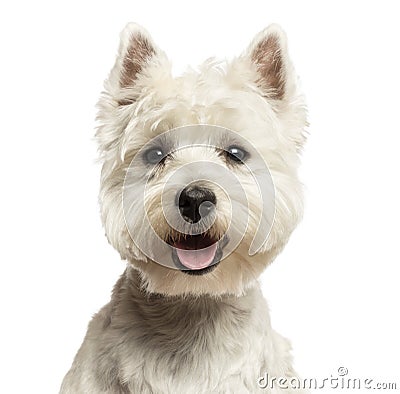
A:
[198,258]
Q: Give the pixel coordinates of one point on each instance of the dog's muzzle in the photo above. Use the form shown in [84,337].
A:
[196,254]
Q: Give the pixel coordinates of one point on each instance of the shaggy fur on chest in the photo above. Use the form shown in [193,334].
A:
[140,343]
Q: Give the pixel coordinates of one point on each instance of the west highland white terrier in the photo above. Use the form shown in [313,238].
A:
[199,193]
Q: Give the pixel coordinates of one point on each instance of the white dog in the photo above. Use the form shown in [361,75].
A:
[199,193]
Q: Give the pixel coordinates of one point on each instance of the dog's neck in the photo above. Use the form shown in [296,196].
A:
[179,317]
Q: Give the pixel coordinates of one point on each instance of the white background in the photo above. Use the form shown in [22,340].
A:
[334,291]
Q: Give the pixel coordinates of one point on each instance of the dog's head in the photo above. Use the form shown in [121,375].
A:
[199,187]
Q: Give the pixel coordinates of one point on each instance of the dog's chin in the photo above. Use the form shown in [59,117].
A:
[197,254]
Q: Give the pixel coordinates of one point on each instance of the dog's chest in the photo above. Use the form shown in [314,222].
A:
[208,348]
[204,365]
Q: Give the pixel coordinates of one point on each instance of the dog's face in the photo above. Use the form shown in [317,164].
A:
[199,186]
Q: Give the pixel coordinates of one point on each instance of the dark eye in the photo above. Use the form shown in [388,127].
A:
[154,155]
[235,153]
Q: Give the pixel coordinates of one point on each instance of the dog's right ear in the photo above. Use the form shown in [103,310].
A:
[138,68]
[136,52]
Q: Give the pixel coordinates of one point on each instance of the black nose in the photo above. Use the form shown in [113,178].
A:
[196,202]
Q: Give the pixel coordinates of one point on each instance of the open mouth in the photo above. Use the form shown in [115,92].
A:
[196,254]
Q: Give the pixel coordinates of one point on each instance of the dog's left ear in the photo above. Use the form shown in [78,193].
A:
[268,53]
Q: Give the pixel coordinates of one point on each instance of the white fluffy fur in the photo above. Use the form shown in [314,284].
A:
[227,356]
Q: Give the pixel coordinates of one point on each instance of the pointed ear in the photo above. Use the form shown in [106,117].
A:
[136,50]
[268,53]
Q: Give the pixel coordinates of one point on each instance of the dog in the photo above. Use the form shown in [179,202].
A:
[199,194]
